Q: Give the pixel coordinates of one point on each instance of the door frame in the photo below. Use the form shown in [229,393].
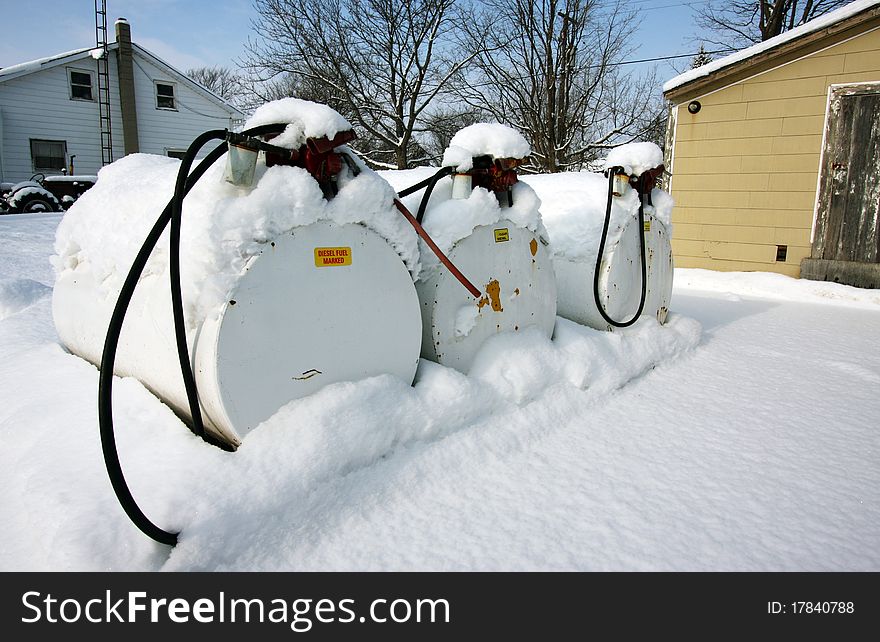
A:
[834,91]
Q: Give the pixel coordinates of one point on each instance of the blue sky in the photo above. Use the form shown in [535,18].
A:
[194,33]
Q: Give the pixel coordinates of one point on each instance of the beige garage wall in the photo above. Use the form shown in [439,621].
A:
[745,167]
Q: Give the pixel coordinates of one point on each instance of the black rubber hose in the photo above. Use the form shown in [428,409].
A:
[111,344]
[443,171]
[189,380]
[620,324]
[108,360]
[423,206]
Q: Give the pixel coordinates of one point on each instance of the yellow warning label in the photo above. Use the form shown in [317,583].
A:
[331,256]
[647,226]
[502,235]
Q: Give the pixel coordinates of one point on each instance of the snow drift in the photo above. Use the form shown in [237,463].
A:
[748,447]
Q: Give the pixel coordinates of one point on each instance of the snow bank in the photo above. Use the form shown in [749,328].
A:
[223,225]
[481,139]
[635,158]
[550,457]
[573,210]
[521,370]
[18,294]
[253,509]
[776,286]
[27,245]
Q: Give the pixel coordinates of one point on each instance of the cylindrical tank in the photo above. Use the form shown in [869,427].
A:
[489,225]
[511,265]
[288,285]
[321,304]
[573,208]
[620,279]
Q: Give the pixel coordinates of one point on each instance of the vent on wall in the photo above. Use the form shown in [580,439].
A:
[781,252]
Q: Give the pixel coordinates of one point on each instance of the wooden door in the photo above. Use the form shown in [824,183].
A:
[848,207]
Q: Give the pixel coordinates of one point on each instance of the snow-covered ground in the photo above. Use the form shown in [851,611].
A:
[741,436]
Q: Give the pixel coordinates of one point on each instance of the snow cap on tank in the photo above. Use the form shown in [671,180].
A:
[306,120]
[224,226]
[635,158]
[484,139]
[449,220]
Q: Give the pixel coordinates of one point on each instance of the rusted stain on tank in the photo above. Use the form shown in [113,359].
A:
[516,291]
[533,246]
[493,298]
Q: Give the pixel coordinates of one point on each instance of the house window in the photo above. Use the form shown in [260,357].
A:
[175,153]
[48,155]
[80,85]
[165,96]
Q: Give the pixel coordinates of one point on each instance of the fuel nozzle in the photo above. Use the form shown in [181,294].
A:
[643,183]
[318,156]
[241,157]
[241,162]
[620,183]
[497,175]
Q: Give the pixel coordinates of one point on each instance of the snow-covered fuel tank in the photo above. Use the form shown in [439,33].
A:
[286,289]
[573,208]
[489,225]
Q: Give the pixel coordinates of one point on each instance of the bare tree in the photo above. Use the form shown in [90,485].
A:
[381,63]
[222,81]
[740,23]
[442,124]
[548,69]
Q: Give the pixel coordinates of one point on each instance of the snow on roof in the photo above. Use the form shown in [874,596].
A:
[813,25]
[31,66]
[36,65]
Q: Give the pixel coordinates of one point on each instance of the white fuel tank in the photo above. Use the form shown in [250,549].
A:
[573,210]
[620,277]
[320,304]
[488,223]
[512,267]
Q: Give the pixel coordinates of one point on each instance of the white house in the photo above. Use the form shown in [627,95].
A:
[49,110]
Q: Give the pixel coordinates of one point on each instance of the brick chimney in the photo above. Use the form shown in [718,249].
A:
[125,71]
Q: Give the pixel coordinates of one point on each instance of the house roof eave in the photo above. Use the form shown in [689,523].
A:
[765,59]
[41,64]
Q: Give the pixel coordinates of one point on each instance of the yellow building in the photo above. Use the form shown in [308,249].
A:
[775,153]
